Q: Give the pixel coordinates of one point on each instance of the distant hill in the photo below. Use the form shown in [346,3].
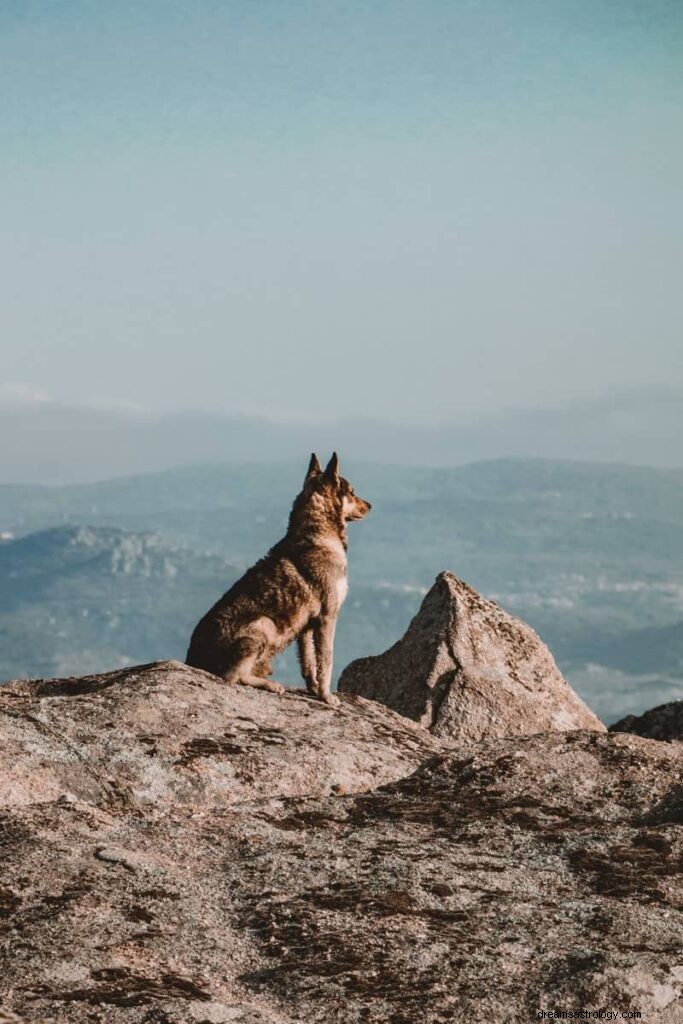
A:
[52,443]
[590,555]
[654,649]
[73,599]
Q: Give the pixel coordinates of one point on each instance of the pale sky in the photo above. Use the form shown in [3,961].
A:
[411,209]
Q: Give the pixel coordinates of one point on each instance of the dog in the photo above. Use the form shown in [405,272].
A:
[294,592]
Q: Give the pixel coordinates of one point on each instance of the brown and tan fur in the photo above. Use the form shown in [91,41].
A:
[294,592]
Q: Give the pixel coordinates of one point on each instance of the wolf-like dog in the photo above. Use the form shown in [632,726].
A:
[294,592]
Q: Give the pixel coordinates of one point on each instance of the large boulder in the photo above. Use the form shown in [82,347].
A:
[466,670]
[180,851]
[664,722]
[165,735]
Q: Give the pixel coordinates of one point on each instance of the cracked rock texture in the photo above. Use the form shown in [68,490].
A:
[664,722]
[466,670]
[165,735]
[180,851]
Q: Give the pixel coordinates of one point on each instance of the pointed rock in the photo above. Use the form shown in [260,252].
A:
[466,670]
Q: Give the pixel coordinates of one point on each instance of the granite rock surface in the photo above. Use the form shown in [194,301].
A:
[466,670]
[180,851]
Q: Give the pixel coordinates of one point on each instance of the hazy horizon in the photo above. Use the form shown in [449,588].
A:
[48,442]
[404,211]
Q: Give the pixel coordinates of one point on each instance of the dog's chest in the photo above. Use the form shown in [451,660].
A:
[342,588]
[333,570]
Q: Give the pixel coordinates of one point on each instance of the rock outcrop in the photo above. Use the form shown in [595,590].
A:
[165,735]
[180,851]
[664,722]
[466,670]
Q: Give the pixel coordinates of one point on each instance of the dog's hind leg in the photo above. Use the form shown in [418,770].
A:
[263,667]
[249,656]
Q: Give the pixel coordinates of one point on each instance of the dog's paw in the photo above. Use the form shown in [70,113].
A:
[331,700]
[274,687]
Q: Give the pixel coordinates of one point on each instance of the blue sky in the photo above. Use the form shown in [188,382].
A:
[414,210]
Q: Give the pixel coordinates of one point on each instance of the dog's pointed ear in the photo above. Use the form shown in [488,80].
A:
[332,468]
[314,468]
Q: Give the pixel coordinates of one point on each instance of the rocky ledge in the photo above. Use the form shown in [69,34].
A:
[180,851]
[165,735]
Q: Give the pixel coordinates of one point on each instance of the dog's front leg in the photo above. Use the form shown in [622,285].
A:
[324,648]
[307,659]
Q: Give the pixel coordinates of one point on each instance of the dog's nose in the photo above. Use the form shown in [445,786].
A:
[368,505]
